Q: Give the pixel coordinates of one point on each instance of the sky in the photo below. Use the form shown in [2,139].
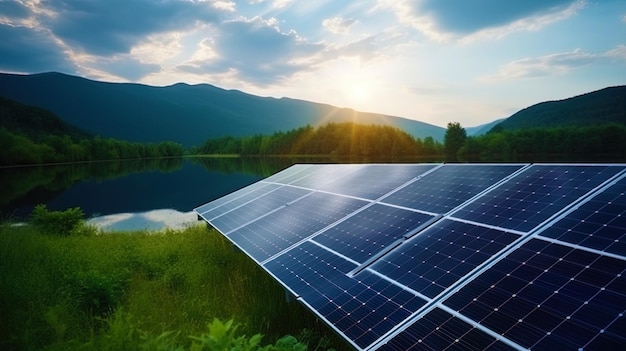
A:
[436,61]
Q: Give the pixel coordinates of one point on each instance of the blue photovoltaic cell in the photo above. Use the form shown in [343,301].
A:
[290,174]
[556,291]
[279,230]
[546,296]
[374,181]
[599,224]
[317,177]
[234,199]
[439,331]
[440,255]
[362,309]
[449,186]
[257,208]
[530,198]
[366,233]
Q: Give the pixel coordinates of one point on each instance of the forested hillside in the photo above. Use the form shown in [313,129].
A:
[34,122]
[332,139]
[597,143]
[31,135]
[599,107]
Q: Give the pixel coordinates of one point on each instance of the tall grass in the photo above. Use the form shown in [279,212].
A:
[71,292]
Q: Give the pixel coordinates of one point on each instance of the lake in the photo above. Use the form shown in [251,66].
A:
[131,195]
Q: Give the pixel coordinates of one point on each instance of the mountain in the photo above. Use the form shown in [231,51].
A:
[187,114]
[599,107]
[34,122]
[483,128]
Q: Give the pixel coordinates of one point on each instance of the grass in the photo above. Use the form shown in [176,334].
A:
[141,288]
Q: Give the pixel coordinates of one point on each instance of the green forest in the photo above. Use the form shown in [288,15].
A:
[605,142]
[332,139]
[31,135]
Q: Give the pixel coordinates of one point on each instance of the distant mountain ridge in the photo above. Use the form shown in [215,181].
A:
[603,106]
[483,128]
[187,114]
[34,122]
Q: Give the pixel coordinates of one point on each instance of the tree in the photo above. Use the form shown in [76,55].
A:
[453,140]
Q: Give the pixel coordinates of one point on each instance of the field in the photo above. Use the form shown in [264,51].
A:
[139,290]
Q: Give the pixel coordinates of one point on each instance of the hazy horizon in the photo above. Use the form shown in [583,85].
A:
[432,61]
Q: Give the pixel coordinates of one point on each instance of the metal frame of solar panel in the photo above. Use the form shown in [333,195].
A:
[444,256]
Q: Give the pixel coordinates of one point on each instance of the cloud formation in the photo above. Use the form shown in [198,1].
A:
[116,25]
[338,24]
[446,19]
[555,64]
[253,49]
[323,50]
[25,50]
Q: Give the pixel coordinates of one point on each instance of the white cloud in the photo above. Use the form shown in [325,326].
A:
[224,5]
[446,20]
[279,4]
[338,24]
[554,64]
[158,48]
[256,50]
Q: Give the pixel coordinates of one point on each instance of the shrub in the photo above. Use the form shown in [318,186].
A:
[221,336]
[58,222]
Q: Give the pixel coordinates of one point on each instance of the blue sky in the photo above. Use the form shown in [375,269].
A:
[437,61]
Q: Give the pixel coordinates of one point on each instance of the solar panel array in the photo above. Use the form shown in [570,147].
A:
[444,256]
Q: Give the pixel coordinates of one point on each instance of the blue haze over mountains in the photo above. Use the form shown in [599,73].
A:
[190,114]
[187,114]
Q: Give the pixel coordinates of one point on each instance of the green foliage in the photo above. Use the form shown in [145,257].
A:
[223,336]
[335,139]
[58,222]
[604,142]
[453,140]
[33,122]
[137,291]
[595,108]
[31,135]
[16,149]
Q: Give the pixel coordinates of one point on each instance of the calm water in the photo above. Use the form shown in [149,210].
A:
[132,194]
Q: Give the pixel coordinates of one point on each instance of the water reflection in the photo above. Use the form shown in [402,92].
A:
[126,195]
[150,220]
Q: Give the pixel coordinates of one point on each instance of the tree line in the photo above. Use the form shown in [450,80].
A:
[16,148]
[334,139]
[604,142]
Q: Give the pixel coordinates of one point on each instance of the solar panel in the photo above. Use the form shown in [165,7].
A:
[367,232]
[361,309]
[442,254]
[439,330]
[447,187]
[374,181]
[535,195]
[233,200]
[444,257]
[287,226]
[549,296]
[597,224]
[261,205]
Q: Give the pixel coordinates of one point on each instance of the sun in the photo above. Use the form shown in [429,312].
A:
[355,84]
[358,92]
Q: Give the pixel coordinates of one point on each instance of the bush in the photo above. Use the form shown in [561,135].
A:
[221,337]
[58,222]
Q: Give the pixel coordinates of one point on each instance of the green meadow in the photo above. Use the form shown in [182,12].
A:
[167,290]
